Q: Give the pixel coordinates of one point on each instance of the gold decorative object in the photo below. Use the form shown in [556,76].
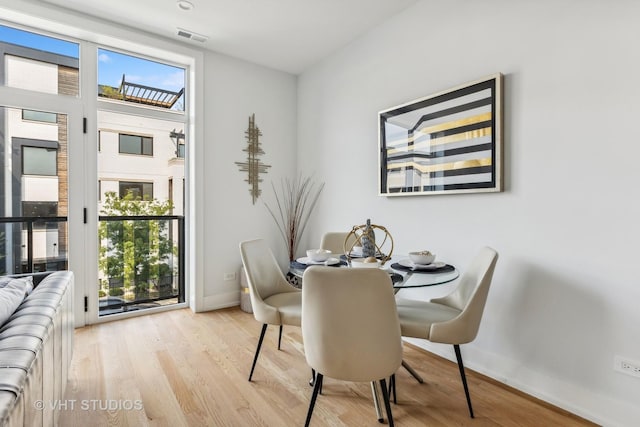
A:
[361,234]
[253,165]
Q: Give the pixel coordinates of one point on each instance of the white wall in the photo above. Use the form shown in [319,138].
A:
[564,300]
[234,90]
[30,74]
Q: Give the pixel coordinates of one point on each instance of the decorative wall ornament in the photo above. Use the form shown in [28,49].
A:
[252,166]
[449,142]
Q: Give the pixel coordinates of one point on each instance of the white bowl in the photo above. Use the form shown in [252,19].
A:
[360,263]
[356,251]
[319,255]
[422,257]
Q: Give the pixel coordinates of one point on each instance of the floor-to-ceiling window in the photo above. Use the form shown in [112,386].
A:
[141,116]
[138,105]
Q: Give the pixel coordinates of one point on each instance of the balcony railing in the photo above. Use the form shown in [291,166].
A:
[38,244]
[141,258]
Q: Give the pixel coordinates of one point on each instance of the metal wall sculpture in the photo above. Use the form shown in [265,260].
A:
[252,166]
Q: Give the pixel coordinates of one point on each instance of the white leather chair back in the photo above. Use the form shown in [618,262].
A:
[264,278]
[350,324]
[335,241]
[469,297]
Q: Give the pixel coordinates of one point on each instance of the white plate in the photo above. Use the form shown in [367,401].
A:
[410,264]
[307,261]
[360,255]
[359,263]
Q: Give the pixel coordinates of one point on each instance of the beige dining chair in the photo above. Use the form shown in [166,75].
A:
[350,327]
[455,318]
[335,241]
[273,300]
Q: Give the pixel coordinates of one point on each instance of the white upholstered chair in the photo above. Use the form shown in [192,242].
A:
[455,318]
[350,327]
[273,300]
[335,241]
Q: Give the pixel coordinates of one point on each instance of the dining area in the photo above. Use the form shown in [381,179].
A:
[346,297]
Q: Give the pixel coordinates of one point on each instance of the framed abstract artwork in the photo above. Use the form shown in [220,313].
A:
[449,142]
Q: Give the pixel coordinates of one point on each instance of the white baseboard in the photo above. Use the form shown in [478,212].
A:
[218,301]
[584,403]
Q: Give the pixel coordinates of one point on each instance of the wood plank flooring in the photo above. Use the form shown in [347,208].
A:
[180,368]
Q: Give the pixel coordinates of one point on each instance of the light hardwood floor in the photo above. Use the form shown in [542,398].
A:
[179,368]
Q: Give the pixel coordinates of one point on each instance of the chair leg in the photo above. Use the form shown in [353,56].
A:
[280,337]
[387,404]
[392,388]
[316,388]
[255,358]
[376,401]
[456,347]
[412,371]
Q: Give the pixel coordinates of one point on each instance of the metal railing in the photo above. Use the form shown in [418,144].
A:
[13,248]
[18,255]
[150,270]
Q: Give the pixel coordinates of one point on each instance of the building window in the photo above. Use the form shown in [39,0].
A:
[181,151]
[39,209]
[135,144]
[139,190]
[39,116]
[39,161]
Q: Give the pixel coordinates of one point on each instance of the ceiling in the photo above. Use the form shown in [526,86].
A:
[288,35]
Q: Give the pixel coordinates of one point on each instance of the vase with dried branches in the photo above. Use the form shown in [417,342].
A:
[295,200]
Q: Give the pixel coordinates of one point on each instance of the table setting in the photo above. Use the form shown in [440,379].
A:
[318,257]
[363,249]
[422,262]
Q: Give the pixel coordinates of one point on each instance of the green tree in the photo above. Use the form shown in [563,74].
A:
[135,253]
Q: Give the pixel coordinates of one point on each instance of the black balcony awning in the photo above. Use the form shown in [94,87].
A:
[141,94]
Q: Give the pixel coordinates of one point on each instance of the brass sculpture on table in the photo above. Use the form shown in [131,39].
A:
[365,236]
[253,165]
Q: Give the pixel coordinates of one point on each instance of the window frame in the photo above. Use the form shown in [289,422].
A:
[140,184]
[54,122]
[44,145]
[142,144]
[101,33]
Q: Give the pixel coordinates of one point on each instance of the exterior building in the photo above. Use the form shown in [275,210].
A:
[34,159]
[137,154]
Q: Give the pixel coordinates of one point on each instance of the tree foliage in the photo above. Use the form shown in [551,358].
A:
[135,252]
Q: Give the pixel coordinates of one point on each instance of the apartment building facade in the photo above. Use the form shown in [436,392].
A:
[136,154]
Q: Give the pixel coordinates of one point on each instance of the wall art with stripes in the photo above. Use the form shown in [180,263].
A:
[450,142]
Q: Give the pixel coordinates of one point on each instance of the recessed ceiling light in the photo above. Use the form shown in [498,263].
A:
[185,5]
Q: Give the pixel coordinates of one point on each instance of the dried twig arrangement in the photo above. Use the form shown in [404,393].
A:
[296,201]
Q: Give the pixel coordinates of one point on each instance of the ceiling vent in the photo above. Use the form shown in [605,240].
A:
[191,35]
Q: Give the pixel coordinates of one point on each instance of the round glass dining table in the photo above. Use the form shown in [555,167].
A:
[404,274]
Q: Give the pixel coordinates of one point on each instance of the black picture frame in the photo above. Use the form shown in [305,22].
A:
[449,142]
